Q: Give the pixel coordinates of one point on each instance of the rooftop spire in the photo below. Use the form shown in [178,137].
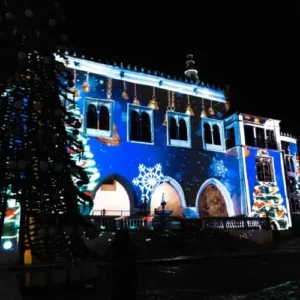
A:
[190,70]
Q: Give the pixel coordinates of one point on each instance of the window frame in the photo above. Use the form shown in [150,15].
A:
[265,129]
[273,174]
[140,109]
[176,142]
[213,147]
[98,132]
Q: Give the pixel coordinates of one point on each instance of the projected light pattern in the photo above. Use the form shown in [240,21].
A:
[124,156]
[9,237]
[268,198]
[145,79]
[208,179]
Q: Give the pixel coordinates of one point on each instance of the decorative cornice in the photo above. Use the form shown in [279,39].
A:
[129,75]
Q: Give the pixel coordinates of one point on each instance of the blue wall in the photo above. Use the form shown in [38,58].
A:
[278,173]
[190,167]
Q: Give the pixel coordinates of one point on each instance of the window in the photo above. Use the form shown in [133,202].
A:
[213,134]
[290,164]
[178,129]
[98,117]
[140,124]
[260,137]
[230,138]
[264,169]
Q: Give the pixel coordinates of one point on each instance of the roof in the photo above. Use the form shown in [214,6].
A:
[140,77]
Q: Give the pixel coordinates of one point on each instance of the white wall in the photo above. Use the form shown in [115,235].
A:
[114,202]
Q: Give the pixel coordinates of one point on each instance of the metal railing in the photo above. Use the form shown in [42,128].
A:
[106,223]
[236,223]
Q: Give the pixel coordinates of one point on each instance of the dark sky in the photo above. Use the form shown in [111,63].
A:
[254,48]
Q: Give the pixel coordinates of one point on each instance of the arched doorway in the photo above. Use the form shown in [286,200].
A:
[174,197]
[213,200]
[112,197]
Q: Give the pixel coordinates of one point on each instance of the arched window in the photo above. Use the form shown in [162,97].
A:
[98,117]
[172,128]
[145,127]
[104,118]
[140,124]
[179,128]
[135,126]
[183,135]
[91,117]
[207,134]
[216,135]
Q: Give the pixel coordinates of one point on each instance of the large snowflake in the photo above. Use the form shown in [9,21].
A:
[218,169]
[148,178]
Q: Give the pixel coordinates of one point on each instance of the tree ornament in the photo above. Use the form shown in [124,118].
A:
[22,164]
[58,167]
[44,165]
[42,233]
[77,124]
[29,13]
[56,196]
[47,60]
[52,231]
[64,38]
[52,22]
[22,56]
[9,16]
[37,106]
[58,112]
[68,230]
[18,104]
[75,131]
[12,164]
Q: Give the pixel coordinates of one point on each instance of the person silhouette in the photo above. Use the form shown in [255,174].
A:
[121,255]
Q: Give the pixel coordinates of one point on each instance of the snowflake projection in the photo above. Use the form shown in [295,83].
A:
[218,169]
[228,185]
[148,178]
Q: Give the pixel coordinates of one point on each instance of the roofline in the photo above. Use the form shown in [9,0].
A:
[115,72]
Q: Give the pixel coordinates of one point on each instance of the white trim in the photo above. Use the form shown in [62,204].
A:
[187,119]
[109,104]
[288,139]
[115,72]
[285,191]
[211,123]
[221,187]
[140,109]
[175,184]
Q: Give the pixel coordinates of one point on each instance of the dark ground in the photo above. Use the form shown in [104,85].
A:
[273,276]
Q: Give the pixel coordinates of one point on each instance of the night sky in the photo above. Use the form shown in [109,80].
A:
[253,48]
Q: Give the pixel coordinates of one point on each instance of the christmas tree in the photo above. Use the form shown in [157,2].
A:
[85,159]
[37,170]
[11,223]
[268,202]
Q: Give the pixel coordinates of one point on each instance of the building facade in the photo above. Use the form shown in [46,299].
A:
[147,136]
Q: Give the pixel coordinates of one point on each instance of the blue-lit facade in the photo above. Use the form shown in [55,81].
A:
[147,137]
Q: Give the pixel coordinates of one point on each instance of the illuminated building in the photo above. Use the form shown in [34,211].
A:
[146,134]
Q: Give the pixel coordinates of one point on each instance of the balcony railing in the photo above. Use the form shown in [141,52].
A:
[111,223]
[236,223]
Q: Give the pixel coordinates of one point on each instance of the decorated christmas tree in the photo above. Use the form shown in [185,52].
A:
[37,170]
[11,223]
[85,159]
[268,202]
